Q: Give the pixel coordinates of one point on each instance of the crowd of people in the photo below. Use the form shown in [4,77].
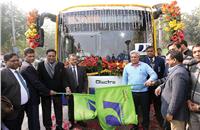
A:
[24,85]
[171,83]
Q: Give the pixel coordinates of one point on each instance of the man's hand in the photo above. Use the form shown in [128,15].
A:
[193,106]
[169,117]
[68,90]
[157,91]
[53,92]
[148,83]
[190,104]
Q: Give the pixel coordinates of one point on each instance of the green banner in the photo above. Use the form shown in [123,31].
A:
[115,107]
[84,106]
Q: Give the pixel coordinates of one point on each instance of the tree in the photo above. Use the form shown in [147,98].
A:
[6,27]
[192,26]
[20,27]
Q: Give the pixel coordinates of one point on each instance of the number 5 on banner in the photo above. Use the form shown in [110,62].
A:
[111,119]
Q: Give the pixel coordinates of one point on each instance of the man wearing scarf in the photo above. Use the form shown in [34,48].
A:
[52,74]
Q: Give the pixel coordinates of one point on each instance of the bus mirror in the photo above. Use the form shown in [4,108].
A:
[158,10]
[157,13]
[41,39]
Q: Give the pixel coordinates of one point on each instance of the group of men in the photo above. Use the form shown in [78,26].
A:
[171,84]
[24,86]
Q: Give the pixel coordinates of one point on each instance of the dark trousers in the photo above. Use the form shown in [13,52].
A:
[142,99]
[32,112]
[46,110]
[16,123]
[71,105]
[156,101]
[71,109]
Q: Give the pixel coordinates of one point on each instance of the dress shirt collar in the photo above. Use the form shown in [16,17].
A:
[153,58]
[13,70]
[73,66]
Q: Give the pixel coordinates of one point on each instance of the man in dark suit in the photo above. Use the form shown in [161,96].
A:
[77,83]
[36,88]
[158,65]
[14,87]
[52,74]
[175,91]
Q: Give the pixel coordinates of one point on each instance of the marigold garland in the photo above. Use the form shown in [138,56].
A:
[32,36]
[172,22]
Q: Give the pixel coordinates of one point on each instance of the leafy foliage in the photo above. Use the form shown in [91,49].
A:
[20,28]
[6,27]
[192,26]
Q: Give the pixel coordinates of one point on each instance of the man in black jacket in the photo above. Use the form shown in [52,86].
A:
[158,65]
[14,87]
[36,88]
[52,74]
[77,83]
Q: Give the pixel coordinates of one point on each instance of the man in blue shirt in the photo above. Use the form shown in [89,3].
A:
[136,74]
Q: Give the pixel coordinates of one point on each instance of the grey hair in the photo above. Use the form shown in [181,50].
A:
[134,52]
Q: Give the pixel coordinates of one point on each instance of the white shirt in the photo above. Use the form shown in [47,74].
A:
[24,94]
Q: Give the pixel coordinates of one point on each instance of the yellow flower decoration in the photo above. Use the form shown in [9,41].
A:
[172,24]
[167,29]
[179,26]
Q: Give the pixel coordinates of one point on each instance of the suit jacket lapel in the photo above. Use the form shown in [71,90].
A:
[156,62]
[148,61]
[13,76]
[172,71]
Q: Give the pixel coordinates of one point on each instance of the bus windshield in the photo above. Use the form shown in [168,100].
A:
[105,31]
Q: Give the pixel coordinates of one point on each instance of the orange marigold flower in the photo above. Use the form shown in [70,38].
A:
[173,3]
[164,8]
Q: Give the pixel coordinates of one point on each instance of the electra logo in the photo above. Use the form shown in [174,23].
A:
[105,82]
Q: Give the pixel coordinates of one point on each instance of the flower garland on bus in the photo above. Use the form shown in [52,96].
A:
[172,22]
[31,34]
[100,66]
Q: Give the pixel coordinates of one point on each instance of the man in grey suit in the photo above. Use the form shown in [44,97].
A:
[174,92]
[194,98]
